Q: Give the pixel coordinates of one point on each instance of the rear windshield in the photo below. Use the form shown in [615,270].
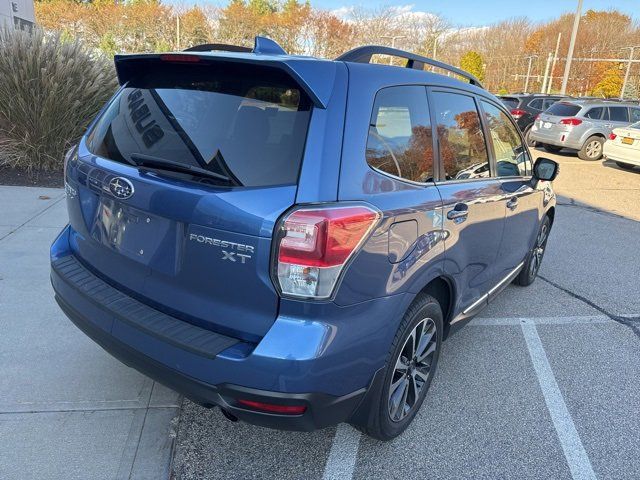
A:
[246,124]
[563,109]
[509,102]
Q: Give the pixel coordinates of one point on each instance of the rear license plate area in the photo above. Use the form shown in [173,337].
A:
[135,234]
[627,140]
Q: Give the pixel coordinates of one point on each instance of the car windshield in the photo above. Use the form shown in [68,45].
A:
[245,125]
[563,109]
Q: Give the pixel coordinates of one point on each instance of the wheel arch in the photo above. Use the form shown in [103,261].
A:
[443,290]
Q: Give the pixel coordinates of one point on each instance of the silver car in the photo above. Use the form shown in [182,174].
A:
[582,125]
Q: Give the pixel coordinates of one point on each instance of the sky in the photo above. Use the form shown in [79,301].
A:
[486,12]
[477,12]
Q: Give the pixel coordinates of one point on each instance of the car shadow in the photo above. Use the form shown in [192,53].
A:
[615,166]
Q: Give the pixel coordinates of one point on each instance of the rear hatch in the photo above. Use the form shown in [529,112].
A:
[178,185]
[551,117]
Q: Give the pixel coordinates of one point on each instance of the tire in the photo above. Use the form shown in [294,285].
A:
[626,166]
[527,137]
[393,410]
[534,258]
[551,148]
[592,149]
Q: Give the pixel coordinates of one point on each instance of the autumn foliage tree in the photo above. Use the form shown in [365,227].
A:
[610,86]
[473,63]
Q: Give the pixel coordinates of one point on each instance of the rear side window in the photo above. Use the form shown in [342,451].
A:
[635,115]
[594,113]
[548,102]
[463,151]
[400,140]
[537,104]
[512,158]
[618,114]
[246,124]
[563,109]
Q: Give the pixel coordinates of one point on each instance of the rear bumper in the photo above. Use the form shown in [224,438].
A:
[558,138]
[301,361]
[621,153]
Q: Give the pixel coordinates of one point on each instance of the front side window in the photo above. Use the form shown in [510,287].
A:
[618,114]
[512,157]
[400,140]
[463,151]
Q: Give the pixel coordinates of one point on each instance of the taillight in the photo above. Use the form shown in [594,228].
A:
[274,408]
[537,116]
[612,136]
[571,121]
[314,245]
[517,113]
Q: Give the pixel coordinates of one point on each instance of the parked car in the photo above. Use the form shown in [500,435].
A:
[525,107]
[623,146]
[582,125]
[285,237]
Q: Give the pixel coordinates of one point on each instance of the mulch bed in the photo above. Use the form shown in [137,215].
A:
[19,177]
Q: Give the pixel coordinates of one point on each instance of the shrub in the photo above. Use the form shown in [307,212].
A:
[50,91]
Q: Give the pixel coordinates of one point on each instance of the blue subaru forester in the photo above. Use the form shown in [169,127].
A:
[291,238]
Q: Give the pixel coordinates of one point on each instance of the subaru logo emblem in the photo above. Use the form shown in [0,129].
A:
[121,187]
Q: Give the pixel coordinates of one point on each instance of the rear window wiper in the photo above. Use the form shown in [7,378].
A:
[142,160]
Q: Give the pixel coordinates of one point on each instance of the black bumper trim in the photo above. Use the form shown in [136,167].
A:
[136,314]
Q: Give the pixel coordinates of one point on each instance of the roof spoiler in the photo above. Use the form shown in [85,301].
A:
[261,45]
[315,77]
[417,62]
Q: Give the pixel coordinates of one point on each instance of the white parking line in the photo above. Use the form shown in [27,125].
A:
[343,454]
[574,452]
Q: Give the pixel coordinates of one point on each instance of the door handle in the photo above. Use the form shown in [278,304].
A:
[512,204]
[459,213]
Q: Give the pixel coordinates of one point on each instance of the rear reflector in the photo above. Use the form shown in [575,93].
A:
[517,113]
[274,408]
[315,244]
[612,136]
[179,58]
[571,121]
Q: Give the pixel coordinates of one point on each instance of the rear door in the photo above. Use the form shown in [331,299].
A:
[194,243]
[474,205]
[514,170]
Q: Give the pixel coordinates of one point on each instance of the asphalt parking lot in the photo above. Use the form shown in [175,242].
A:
[542,384]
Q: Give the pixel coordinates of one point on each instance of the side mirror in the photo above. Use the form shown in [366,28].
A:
[545,169]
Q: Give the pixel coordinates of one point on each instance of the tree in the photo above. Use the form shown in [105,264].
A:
[611,84]
[473,63]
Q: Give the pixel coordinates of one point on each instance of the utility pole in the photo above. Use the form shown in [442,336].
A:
[572,44]
[626,74]
[553,65]
[526,82]
[545,79]
[393,43]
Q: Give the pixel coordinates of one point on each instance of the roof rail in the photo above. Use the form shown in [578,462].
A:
[261,45]
[364,54]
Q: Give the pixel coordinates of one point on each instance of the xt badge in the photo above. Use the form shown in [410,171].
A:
[231,251]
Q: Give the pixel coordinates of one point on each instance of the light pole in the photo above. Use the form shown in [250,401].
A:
[526,82]
[626,74]
[393,43]
[572,44]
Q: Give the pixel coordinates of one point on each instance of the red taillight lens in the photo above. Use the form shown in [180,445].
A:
[517,113]
[537,116]
[612,136]
[179,58]
[571,121]
[316,243]
[274,408]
